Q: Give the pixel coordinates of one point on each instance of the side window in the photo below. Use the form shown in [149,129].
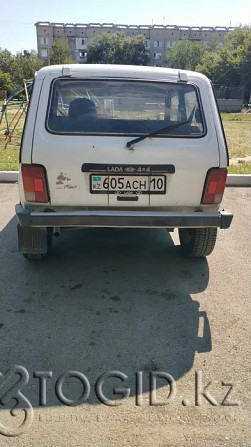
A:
[190,101]
[192,107]
[183,106]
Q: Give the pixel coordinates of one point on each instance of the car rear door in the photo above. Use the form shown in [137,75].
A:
[88,160]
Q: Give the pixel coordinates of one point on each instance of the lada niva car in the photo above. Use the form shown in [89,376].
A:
[122,147]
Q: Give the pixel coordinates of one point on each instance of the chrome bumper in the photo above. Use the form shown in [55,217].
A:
[123,219]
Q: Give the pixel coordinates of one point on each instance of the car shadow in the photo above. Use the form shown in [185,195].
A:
[104,300]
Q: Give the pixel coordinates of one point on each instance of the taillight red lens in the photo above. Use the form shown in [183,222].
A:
[214,186]
[34,183]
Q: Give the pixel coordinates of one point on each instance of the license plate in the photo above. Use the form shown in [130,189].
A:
[123,184]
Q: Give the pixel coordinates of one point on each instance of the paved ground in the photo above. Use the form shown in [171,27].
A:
[128,301]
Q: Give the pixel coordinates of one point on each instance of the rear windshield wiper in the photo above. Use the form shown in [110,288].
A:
[160,131]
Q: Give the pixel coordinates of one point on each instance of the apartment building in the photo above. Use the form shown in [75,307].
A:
[159,38]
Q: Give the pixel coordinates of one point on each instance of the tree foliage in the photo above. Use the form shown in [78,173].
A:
[228,64]
[185,55]
[15,68]
[5,81]
[25,65]
[6,59]
[213,43]
[59,52]
[117,48]
[231,64]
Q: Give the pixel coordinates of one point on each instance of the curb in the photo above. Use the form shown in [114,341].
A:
[238,180]
[232,179]
[8,176]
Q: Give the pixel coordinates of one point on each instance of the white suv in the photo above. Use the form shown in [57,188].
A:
[121,146]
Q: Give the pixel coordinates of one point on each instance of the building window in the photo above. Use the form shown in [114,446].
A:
[158,43]
[44,40]
[148,44]
[82,54]
[44,53]
[157,55]
[170,44]
[81,43]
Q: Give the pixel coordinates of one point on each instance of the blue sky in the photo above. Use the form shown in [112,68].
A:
[17,17]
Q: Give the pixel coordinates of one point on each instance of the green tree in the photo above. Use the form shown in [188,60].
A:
[237,37]
[6,61]
[5,81]
[117,48]
[18,67]
[185,55]
[238,43]
[231,64]
[59,52]
[220,67]
[25,66]
[213,43]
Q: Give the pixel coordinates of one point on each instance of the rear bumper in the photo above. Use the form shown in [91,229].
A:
[123,219]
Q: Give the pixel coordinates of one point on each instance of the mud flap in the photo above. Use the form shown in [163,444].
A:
[32,240]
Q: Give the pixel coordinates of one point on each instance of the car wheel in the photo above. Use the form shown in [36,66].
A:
[197,242]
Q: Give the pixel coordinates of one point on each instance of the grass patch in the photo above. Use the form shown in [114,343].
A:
[240,168]
[9,153]
[9,150]
[9,159]
[236,117]
[238,134]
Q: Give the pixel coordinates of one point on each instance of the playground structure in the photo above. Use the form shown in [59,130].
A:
[17,101]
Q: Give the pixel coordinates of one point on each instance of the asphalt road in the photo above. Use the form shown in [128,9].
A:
[128,301]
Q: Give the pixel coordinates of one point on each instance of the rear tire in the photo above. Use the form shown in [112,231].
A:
[197,242]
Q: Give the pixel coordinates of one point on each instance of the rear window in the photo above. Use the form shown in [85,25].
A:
[118,107]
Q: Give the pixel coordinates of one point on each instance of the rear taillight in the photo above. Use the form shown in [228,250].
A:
[214,186]
[34,183]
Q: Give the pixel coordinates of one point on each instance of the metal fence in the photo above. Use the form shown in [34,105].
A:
[230,98]
[229,91]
